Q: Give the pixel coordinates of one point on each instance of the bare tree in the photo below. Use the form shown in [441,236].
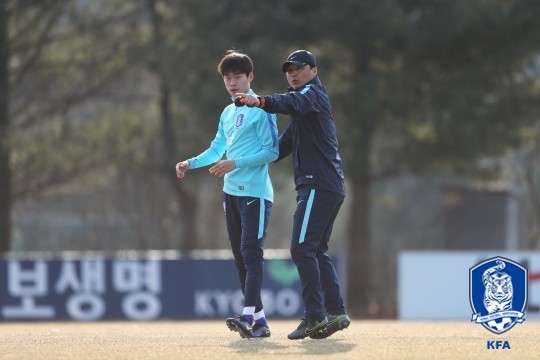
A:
[187,201]
[5,173]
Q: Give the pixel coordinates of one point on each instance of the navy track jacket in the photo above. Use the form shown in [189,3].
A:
[310,136]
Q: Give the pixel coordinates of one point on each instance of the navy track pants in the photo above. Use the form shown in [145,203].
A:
[313,222]
[247,220]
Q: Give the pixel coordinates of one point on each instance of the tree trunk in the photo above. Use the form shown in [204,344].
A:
[359,249]
[187,201]
[5,171]
[188,205]
[358,254]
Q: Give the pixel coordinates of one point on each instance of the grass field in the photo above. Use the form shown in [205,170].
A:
[212,340]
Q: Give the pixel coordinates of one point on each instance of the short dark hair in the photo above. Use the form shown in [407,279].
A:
[235,62]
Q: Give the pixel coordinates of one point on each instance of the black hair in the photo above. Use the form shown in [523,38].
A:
[235,62]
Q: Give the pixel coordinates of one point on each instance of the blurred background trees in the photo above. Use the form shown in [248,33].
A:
[100,99]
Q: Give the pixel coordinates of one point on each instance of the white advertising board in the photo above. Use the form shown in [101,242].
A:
[434,285]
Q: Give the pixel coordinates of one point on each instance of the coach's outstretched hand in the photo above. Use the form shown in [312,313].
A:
[248,100]
[239,101]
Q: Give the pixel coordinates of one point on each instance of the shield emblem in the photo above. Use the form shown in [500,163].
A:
[239,120]
[498,293]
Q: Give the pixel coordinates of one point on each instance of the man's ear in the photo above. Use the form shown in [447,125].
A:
[314,69]
[251,76]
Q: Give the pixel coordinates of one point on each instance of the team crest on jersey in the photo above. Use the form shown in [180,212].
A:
[239,120]
[498,294]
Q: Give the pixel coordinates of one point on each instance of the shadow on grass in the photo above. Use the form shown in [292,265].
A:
[306,346]
[257,346]
[326,346]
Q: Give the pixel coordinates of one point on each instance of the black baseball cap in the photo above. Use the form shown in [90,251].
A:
[300,58]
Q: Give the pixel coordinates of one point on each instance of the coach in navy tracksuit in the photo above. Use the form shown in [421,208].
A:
[311,139]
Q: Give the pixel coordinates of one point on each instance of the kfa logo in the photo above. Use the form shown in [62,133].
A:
[498,294]
[239,120]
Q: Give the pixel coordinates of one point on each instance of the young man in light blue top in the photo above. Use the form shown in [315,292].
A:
[248,137]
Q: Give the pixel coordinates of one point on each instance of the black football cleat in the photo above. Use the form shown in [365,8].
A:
[260,331]
[306,328]
[335,323]
[240,325]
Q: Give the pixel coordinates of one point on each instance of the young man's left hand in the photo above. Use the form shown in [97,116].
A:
[222,167]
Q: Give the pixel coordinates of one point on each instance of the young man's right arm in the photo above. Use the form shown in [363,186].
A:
[214,153]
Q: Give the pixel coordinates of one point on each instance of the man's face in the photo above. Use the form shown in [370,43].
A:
[237,83]
[298,76]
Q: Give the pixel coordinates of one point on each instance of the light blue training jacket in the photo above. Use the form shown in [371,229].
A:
[249,136]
